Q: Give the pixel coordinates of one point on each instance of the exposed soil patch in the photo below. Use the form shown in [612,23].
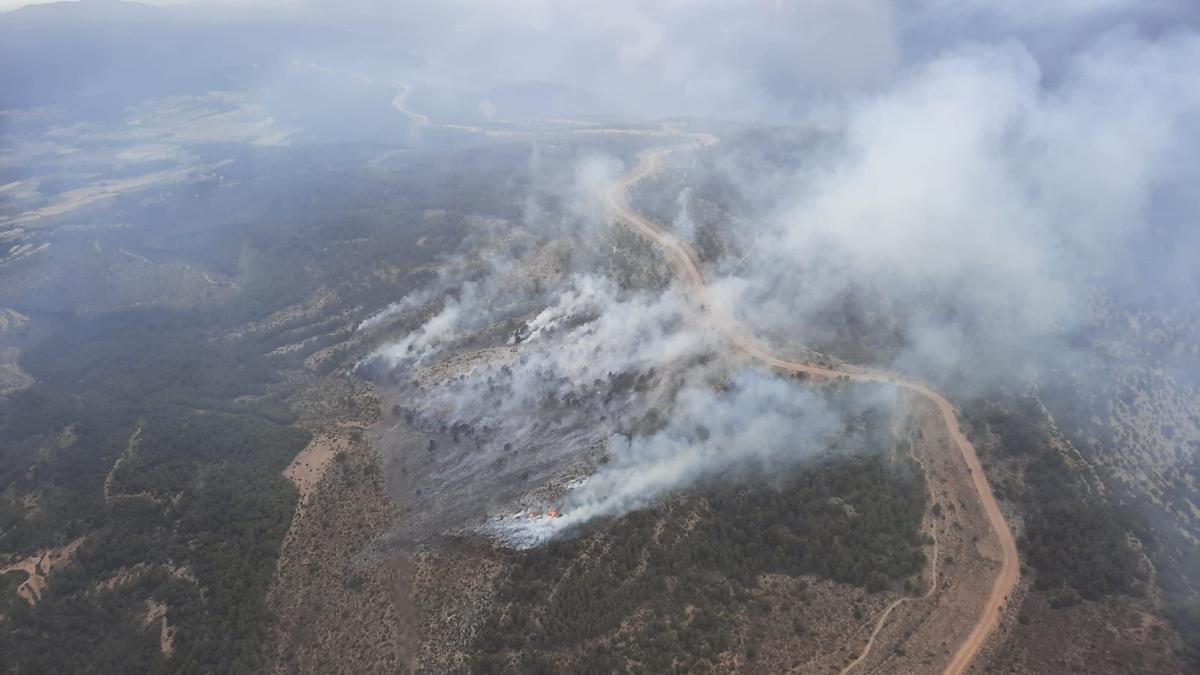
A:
[313,461]
[111,476]
[39,568]
[338,595]
[156,612]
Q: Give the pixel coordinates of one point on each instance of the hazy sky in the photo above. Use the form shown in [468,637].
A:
[745,59]
[7,5]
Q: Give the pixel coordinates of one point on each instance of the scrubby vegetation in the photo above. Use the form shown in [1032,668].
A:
[1184,615]
[158,435]
[661,588]
[198,491]
[1078,543]
[192,515]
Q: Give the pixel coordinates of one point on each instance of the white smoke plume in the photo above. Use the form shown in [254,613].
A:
[585,297]
[408,303]
[981,204]
[591,332]
[683,226]
[427,341]
[761,425]
[534,413]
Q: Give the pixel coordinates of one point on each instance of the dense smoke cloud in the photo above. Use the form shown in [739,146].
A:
[406,304]
[987,206]
[720,58]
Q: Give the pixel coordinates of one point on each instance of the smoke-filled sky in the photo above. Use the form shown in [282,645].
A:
[752,60]
[725,58]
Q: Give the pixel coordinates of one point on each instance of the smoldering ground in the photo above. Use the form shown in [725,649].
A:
[756,428]
[604,402]
[474,431]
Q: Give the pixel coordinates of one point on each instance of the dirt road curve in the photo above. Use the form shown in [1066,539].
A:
[684,260]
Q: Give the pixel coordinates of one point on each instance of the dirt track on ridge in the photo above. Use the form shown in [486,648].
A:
[684,260]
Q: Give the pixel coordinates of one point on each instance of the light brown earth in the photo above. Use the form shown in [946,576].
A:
[39,567]
[129,574]
[684,261]
[827,610]
[110,477]
[340,599]
[156,612]
[78,198]
[307,469]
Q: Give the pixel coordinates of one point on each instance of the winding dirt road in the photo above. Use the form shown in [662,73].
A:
[684,260]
